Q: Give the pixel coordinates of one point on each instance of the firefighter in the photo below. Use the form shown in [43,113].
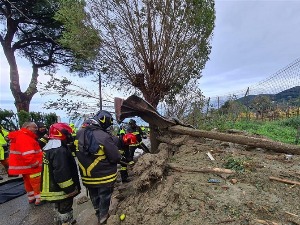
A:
[123,141]
[42,134]
[86,123]
[74,129]
[98,157]
[126,141]
[25,157]
[60,180]
[144,134]
[121,131]
[3,148]
[136,130]
[72,145]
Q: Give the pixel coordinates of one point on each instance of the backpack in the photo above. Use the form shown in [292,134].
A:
[90,145]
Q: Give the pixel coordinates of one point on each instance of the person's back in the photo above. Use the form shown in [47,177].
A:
[25,158]
[25,152]
[136,130]
[98,156]
[60,174]
[104,158]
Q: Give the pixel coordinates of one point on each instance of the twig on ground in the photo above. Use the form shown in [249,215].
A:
[284,180]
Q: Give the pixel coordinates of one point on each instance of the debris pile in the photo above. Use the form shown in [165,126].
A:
[196,180]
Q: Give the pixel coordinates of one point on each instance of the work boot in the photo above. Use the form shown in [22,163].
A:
[127,180]
[64,219]
[103,219]
[12,175]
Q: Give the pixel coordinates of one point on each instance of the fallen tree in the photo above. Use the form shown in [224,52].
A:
[135,106]
[238,139]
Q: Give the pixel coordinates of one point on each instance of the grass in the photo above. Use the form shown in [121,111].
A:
[284,131]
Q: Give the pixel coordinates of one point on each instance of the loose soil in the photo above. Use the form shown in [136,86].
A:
[160,195]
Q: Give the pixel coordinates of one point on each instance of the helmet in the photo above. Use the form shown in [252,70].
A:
[129,139]
[104,119]
[40,125]
[60,131]
[121,131]
[42,129]
[132,122]
[87,122]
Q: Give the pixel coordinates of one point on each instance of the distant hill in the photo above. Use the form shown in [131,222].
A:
[286,95]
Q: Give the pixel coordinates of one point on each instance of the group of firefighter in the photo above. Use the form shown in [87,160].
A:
[128,139]
[98,153]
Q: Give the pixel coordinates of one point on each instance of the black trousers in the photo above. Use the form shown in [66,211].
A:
[64,206]
[101,198]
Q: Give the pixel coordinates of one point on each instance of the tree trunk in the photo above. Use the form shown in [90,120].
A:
[22,99]
[239,139]
[153,138]
[153,128]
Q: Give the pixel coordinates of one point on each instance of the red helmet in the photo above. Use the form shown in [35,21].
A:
[60,131]
[129,139]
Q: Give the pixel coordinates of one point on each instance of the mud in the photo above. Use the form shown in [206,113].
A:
[160,195]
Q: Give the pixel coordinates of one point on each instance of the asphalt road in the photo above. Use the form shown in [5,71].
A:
[19,212]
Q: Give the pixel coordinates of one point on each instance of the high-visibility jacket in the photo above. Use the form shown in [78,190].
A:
[60,178]
[97,156]
[3,144]
[74,129]
[25,155]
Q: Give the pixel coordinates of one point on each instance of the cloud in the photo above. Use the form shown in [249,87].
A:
[252,41]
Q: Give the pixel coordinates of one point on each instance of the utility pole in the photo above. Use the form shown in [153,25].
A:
[100,93]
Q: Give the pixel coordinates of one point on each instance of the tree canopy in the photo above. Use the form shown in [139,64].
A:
[43,32]
[154,46]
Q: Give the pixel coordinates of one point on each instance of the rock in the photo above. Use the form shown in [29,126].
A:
[233,181]
[82,200]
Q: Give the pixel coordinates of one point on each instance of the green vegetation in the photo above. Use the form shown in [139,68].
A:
[235,164]
[13,121]
[279,130]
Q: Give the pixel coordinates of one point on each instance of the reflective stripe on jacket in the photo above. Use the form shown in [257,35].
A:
[60,178]
[100,168]
[25,155]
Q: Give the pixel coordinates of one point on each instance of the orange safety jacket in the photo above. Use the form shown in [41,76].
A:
[25,155]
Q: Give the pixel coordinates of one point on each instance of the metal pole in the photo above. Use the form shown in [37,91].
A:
[100,94]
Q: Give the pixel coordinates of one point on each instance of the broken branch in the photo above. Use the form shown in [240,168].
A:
[284,180]
[199,170]
[266,222]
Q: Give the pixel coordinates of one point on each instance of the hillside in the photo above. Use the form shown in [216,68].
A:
[283,96]
[170,188]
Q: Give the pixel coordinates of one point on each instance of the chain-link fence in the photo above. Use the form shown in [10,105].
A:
[275,97]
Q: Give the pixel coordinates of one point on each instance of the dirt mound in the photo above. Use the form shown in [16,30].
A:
[180,186]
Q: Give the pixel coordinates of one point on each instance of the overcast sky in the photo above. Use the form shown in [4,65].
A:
[252,40]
